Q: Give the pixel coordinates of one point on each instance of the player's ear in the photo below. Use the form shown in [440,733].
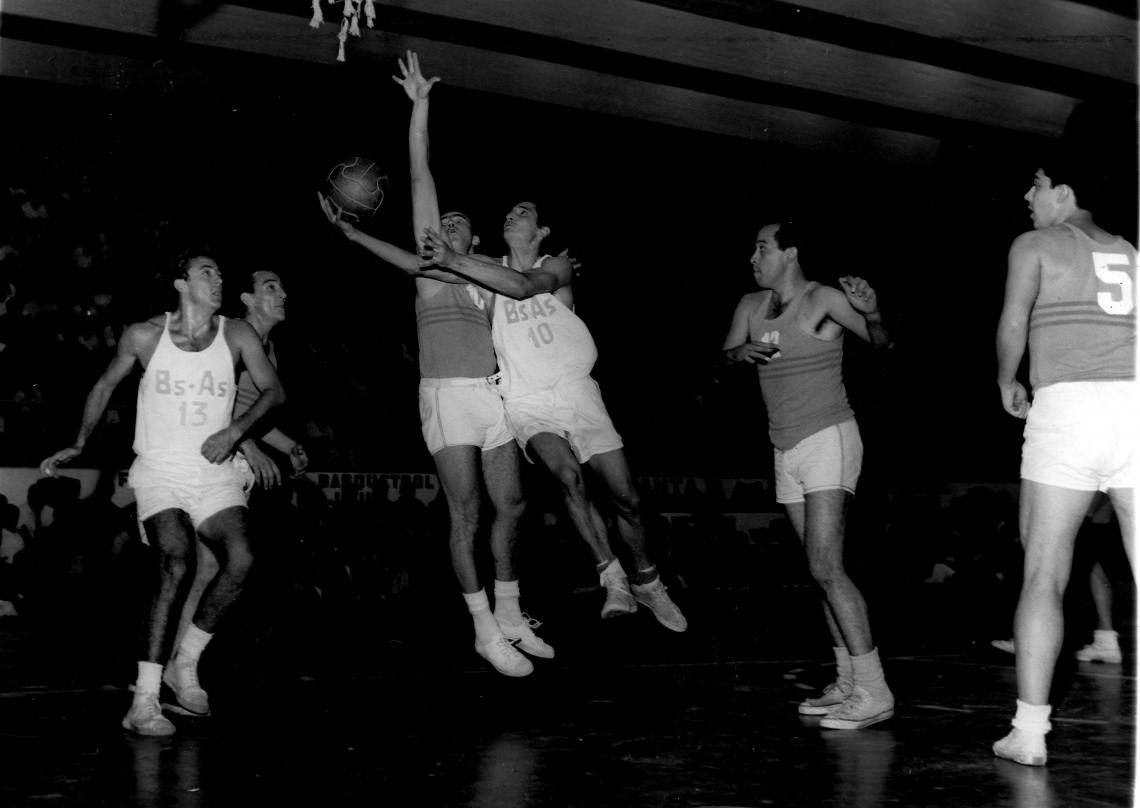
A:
[793,253]
[474,242]
[246,299]
[544,232]
[180,285]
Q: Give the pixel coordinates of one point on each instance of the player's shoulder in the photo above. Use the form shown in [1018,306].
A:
[752,300]
[238,330]
[144,334]
[1042,239]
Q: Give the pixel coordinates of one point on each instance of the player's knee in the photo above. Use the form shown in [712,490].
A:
[239,561]
[825,571]
[464,515]
[570,478]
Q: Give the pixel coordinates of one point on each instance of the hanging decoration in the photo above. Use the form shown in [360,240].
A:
[349,21]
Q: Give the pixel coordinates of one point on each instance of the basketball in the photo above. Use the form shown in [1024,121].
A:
[356,187]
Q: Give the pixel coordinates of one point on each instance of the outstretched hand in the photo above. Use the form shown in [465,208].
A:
[48,466]
[333,215]
[412,80]
[859,294]
[435,252]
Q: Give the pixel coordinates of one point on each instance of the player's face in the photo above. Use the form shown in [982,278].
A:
[1042,199]
[767,256]
[522,222]
[456,228]
[268,295]
[204,282]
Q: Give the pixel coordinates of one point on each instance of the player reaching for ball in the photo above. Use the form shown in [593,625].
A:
[463,421]
[793,332]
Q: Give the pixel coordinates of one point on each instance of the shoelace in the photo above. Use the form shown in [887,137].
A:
[188,674]
[150,708]
[530,622]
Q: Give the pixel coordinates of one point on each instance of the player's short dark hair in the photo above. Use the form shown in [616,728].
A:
[1079,171]
[180,266]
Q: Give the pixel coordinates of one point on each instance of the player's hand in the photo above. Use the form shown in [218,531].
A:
[219,446]
[47,467]
[435,252]
[1014,399]
[265,471]
[333,215]
[299,459]
[575,264]
[754,353]
[859,294]
[412,80]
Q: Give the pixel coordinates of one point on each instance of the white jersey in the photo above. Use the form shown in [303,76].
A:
[539,342]
[184,398]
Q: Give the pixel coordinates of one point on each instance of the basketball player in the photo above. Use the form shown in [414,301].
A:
[555,408]
[793,332]
[184,482]
[264,300]
[462,417]
[1070,294]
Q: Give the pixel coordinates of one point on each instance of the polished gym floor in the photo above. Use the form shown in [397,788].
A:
[400,711]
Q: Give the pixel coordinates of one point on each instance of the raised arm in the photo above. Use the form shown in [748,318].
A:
[129,349]
[554,273]
[425,200]
[857,310]
[1022,283]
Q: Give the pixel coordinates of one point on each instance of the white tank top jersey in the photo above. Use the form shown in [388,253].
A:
[540,342]
[184,397]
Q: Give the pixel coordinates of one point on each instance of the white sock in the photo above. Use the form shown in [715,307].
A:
[485,626]
[149,678]
[194,642]
[867,672]
[1032,718]
[1105,638]
[507,602]
[844,673]
[613,566]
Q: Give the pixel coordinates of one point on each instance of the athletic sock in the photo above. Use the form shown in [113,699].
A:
[611,566]
[867,672]
[646,576]
[194,642]
[507,602]
[1032,718]
[1105,638]
[485,625]
[149,678]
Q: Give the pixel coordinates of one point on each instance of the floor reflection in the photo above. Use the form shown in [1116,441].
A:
[505,773]
[862,761]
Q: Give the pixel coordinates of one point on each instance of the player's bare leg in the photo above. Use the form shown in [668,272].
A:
[1050,518]
[554,453]
[820,521]
[459,477]
[648,589]
[504,488]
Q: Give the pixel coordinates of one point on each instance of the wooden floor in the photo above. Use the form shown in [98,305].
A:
[627,714]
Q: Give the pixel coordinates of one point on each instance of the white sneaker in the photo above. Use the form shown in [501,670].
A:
[524,637]
[833,695]
[145,716]
[1025,748]
[1004,645]
[182,678]
[619,601]
[503,656]
[656,597]
[1100,653]
[860,709]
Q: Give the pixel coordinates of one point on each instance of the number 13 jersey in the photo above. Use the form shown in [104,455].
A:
[184,398]
[539,342]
